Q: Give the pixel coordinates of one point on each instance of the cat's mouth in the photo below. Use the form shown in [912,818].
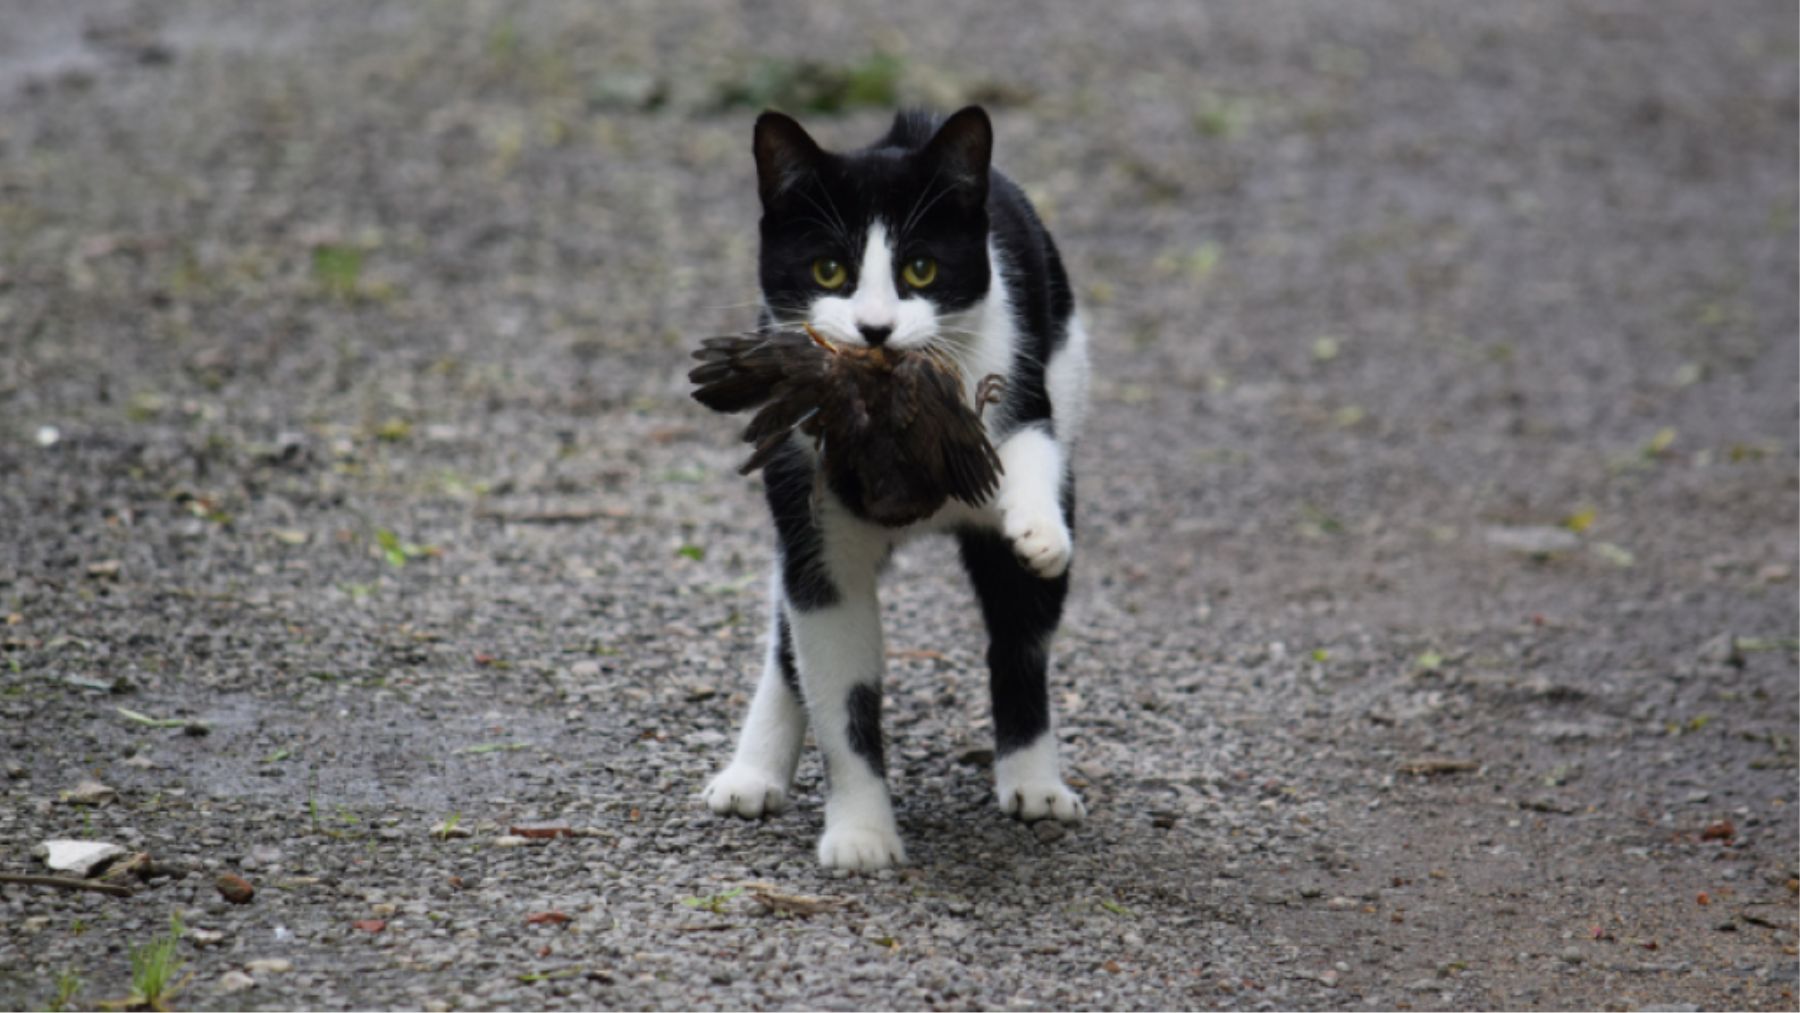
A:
[907,340]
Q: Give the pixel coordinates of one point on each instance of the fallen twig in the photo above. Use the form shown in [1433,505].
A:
[791,903]
[564,515]
[65,883]
[1435,765]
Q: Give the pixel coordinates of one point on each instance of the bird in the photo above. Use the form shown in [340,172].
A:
[895,436]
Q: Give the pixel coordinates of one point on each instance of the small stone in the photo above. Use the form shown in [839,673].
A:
[106,569]
[1328,978]
[1311,892]
[444,830]
[203,937]
[980,756]
[234,888]
[136,866]
[510,841]
[1572,955]
[48,436]
[1340,903]
[90,793]
[79,858]
[235,981]
[1048,831]
[384,910]
[1532,541]
[270,965]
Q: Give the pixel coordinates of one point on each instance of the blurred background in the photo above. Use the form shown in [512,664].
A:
[1446,364]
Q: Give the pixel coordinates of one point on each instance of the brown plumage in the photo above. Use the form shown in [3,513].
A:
[895,436]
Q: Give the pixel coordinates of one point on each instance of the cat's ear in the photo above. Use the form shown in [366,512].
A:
[962,149]
[785,153]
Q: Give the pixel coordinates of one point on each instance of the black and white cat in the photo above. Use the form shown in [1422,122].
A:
[914,241]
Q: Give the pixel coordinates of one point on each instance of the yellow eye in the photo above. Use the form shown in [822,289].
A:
[920,272]
[830,273]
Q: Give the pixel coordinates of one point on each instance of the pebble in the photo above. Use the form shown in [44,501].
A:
[90,793]
[234,888]
[235,981]
[1049,831]
[269,965]
[78,858]
[1533,540]
[510,841]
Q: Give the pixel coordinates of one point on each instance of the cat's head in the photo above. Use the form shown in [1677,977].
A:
[881,245]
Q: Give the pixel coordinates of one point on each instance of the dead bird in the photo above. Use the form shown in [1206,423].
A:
[892,428]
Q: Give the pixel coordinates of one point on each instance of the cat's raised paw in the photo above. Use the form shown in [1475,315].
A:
[860,849]
[745,791]
[1041,542]
[1042,800]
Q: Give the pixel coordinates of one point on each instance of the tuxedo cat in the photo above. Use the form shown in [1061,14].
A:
[912,242]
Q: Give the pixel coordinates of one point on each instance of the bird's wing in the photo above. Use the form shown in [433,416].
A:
[950,437]
[741,371]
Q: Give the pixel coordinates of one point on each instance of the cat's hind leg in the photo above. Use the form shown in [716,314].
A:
[1022,610]
[762,770]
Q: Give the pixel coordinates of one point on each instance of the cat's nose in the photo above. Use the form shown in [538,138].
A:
[874,335]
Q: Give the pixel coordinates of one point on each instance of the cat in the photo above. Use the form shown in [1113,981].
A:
[911,242]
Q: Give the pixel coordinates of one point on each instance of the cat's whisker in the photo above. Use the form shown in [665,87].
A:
[912,215]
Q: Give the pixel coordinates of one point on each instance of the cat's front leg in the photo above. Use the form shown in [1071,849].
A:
[1022,605]
[756,782]
[840,655]
[1030,501]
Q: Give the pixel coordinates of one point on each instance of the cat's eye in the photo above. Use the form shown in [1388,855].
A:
[919,272]
[830,273]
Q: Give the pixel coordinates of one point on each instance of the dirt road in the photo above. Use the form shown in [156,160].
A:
[1433,640]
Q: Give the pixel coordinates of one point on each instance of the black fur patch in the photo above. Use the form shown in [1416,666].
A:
[788,486]
[784,656]
[1021,610]
[864,705]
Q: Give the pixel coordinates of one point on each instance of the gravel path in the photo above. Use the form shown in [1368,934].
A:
[1433,640]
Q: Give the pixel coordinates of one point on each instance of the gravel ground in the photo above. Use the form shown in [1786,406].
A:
[1433,640]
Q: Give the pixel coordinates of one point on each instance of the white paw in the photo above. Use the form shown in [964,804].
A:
[745,791]
[860,849]
[1037,800]
[1041,541]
